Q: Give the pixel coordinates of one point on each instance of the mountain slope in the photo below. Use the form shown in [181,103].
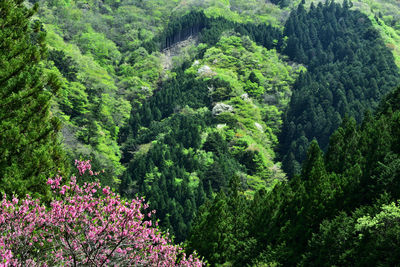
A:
[349,70]
[341,210]
[205,126]
[181,128]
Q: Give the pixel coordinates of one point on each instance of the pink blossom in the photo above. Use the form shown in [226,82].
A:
[81,224]
[106,191]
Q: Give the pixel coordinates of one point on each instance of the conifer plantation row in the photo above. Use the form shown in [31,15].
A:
[220,133]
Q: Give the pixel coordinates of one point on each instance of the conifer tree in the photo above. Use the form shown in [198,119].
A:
[29,152]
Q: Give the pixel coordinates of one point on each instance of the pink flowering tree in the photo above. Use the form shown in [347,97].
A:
[84,225]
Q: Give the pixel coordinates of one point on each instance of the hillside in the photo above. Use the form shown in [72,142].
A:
[252,127]
[97,53]
[205,125]
[342,209]
[349,70]
[384,15]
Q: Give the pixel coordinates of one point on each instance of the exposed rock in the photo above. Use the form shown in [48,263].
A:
[221,107]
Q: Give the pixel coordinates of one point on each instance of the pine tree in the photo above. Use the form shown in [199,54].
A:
[29,151]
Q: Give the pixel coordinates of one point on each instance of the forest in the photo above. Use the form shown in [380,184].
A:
[199,133]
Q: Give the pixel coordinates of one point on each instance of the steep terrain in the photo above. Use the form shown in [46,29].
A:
[97,51]
[209,107]
[384,15]
[342,210]
[349,69]
[207,125]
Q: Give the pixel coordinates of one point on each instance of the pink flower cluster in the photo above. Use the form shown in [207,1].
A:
[84,225]
[82,166]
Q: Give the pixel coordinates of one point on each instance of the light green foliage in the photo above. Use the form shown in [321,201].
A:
[234,58]
[91,108]
[359,239]
[225,12]
[105,39]
[138,114]
[256,11]
[389,28]
[104,50]
[389,215]
[140,74]
[256,83]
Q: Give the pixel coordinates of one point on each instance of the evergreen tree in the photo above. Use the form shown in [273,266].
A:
[29,150]
[340,80]
[212,232]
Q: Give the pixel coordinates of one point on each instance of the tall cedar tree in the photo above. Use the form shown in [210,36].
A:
[29,151]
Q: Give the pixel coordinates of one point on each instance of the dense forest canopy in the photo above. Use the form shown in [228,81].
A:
[185,142]
[349,69]
[262,132]
[341,210]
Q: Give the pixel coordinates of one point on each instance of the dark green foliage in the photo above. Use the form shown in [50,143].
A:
[29,148]
[265,35]
[175,93]
[176,156]
[216,143]
[163,138]
[349,70]
[340,211]
[262,34]
[163,172]
[210,30]
[281,3]
[368,236]
[180,29]
[193,23]
[65,64]
[104,51]
[220,233]
[336,211]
